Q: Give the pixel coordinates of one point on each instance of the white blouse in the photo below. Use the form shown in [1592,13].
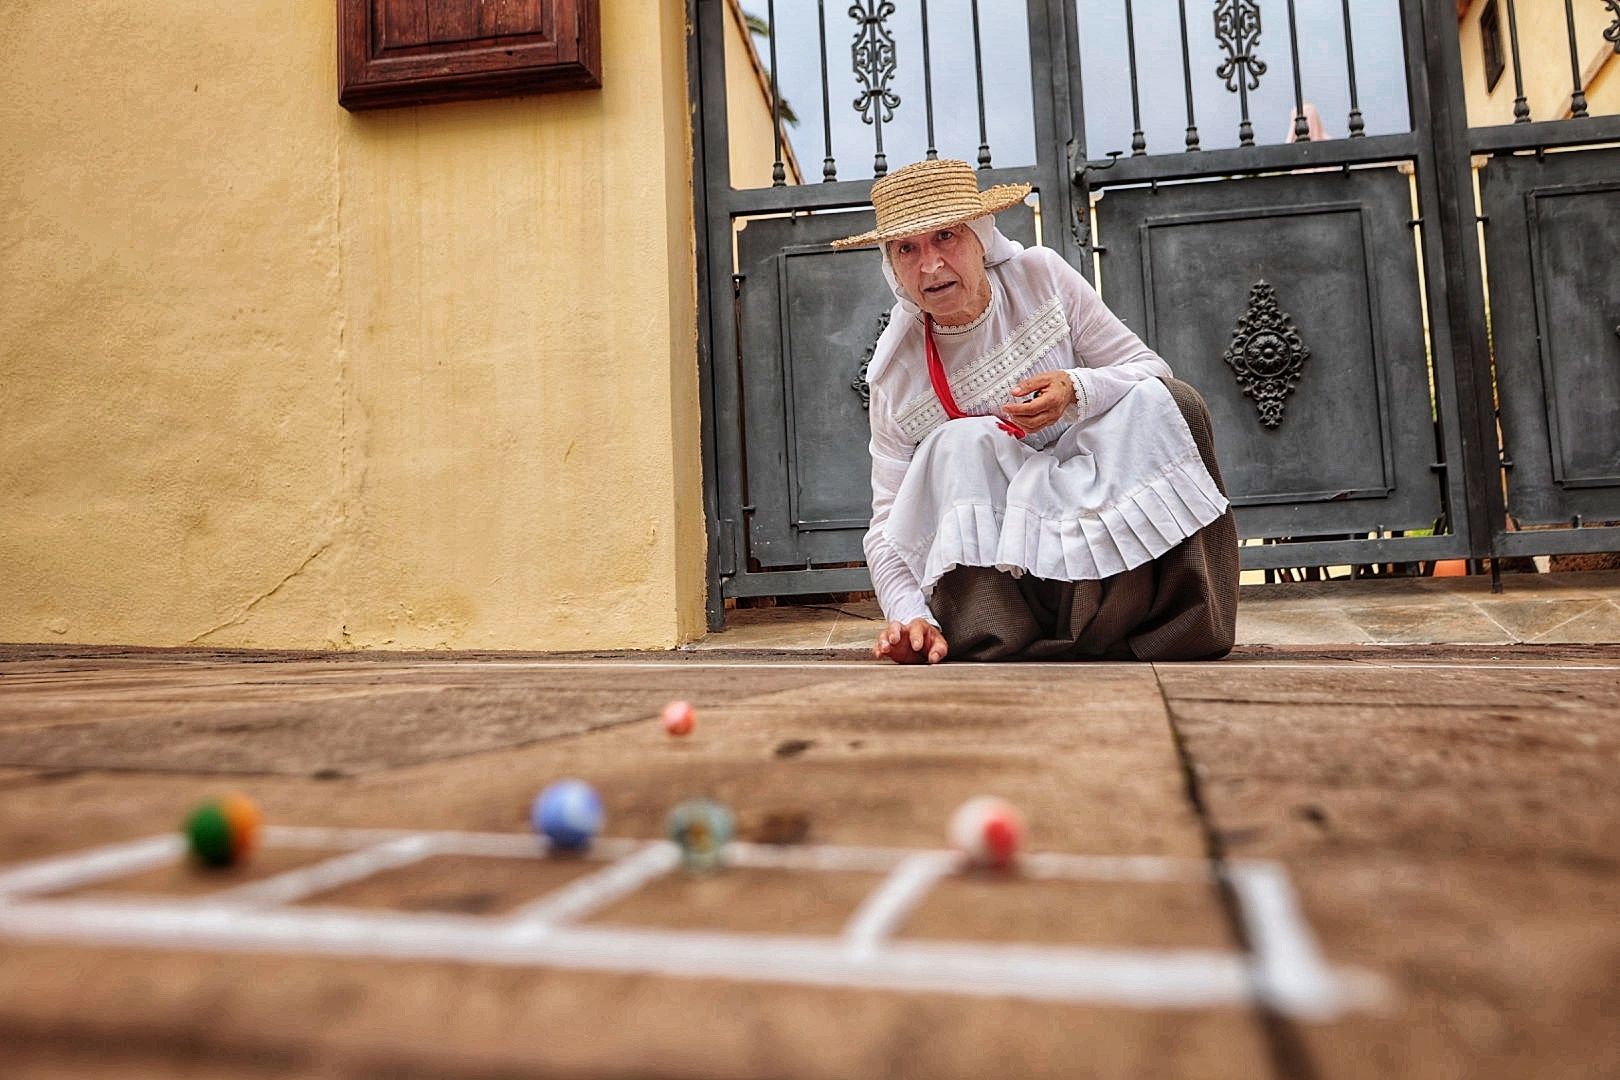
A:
[1043,316]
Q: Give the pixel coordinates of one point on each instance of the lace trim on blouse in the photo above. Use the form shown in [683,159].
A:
[988,380]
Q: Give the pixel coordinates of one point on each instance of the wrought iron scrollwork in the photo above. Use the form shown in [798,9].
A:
[1612,34]
[859,383]
[1266,355]
[873,58]
[1237,28]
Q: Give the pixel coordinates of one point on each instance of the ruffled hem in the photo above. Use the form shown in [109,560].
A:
[1135,529]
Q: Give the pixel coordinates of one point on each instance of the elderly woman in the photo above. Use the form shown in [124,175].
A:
[1042,489]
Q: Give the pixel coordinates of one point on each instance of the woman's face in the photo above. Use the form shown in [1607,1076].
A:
[943,271]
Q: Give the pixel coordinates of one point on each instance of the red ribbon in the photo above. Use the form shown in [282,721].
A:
[942,386]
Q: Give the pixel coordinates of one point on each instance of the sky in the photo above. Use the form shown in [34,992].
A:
[1105,71]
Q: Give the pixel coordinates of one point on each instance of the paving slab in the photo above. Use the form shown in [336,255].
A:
[1454,825]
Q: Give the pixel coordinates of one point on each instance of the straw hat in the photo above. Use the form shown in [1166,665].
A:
[931,195]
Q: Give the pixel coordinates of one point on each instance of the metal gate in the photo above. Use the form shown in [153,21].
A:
[1325,294]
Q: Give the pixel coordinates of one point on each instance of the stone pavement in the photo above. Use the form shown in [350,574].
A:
[1542,609]
[1439,824]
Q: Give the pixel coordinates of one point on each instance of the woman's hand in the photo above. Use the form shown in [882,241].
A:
[917,642]
[1056,393]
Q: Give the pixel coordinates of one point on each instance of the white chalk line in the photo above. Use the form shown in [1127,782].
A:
[583,896]
[1289,971]
[807,857]
[79,869]
[445,842]
[1183,979]
[306,881]
[1286,967]
[882,912]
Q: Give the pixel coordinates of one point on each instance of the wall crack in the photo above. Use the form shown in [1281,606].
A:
[242,616]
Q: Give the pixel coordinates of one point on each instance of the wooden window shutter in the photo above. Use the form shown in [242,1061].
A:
[411,52]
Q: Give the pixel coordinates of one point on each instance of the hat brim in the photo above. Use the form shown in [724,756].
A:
[992,200]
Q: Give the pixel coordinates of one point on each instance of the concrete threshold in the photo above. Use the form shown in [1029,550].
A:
[1579,608]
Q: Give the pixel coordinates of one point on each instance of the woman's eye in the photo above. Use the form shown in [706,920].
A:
[945,235]
[904,249]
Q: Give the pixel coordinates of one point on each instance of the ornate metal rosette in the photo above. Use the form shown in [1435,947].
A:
[1237,28]
[1612,34]
[873,59]
[1266,355]
[859,383]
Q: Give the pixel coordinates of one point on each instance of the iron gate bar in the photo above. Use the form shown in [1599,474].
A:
[1521,107]
[829,167]
[1348,552]
[1358,126]
[838,195]
[1240,161]
[1138,139]
[1302,127]
[1573,541]
[1577,97]
[1456,285]
[780,582]
[709,159]
[928,85]
[778,173]
[1545,134]
[978,77]
[1186,79]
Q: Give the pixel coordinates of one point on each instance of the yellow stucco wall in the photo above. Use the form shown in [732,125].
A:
[1544,50]
[276,375]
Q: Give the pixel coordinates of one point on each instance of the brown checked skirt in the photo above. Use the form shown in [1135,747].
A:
[1180,606]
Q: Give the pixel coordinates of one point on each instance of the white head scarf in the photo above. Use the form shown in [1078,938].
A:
[997,249]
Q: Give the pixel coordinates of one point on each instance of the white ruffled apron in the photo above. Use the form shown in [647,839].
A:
[1113,492]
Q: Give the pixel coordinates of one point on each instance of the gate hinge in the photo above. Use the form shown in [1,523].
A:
[737,284]
[1414,222]
[1437,466]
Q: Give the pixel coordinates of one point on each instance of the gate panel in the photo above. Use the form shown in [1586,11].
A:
[1553,256]
[1292,303]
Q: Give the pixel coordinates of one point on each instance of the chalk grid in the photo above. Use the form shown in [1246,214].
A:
[1284,968]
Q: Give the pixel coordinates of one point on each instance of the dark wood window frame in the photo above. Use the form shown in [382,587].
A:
[414,52]
[1490,43]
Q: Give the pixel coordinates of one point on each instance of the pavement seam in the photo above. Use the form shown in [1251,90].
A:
[1289,1057]
[1517,638]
